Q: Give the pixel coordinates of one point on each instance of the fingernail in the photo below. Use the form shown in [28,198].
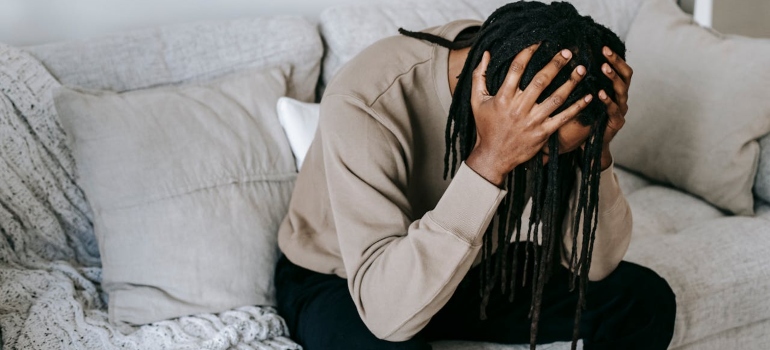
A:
[607,51]
[581,70]
[588,98]
[607,68]
[602,95]
[566,53]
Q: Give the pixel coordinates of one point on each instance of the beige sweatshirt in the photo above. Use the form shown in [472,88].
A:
[370,203]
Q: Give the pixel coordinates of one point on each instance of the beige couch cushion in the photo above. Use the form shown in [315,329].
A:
[697,105]
[718,271]
[664,210]
[188,185]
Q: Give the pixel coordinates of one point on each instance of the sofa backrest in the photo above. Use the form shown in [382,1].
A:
[189,52]
[348,29]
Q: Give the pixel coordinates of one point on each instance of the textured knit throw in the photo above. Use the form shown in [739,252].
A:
[50,273]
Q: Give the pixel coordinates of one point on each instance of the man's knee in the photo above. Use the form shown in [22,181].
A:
[635,309]
[644,287]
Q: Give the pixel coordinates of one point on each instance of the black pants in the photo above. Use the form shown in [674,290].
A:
[632,308]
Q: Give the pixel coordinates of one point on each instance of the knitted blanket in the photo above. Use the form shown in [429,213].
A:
[50,274]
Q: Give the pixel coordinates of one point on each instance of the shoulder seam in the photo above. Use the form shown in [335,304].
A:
[376,116]
[398,77]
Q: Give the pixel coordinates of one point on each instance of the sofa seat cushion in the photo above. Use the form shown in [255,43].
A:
[664,210]
[630,182]
[717,269]
[762,209]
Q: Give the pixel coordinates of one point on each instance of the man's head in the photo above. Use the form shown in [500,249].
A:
[516,26]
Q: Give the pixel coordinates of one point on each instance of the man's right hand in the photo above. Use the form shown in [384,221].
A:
[510,126]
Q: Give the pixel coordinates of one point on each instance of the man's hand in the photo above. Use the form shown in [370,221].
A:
[620,73]
[510,126]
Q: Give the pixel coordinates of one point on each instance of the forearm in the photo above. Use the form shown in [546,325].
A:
[398,282]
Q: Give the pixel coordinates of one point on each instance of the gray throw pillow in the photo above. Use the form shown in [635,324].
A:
[698,104]
[188,185]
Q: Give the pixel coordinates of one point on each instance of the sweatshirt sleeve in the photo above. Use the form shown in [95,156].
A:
[613,230]
[401,270]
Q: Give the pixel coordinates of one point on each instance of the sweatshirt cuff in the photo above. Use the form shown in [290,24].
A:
[610,193]
[468,205]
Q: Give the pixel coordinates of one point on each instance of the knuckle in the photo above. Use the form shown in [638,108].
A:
[501,103]
[541,135]
[539,82]
[630,72]
[516,67]
[557,101]
[559,63]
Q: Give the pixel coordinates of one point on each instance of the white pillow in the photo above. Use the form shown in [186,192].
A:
[299,121]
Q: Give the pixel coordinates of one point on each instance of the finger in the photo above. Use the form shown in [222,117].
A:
[618,84]
[554,123]
[558,97]
[617,119]
[624,70]
[515,71]
[479,84]
[544,77]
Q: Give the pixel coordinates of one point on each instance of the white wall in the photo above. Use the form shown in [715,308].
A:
[28,22]
[743,17]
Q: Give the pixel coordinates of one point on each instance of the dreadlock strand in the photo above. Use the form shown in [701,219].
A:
[519,202]
[502,235]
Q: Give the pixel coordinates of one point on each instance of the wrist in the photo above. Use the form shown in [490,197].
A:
[487,166]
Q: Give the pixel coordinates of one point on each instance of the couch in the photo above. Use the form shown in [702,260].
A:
[716,262]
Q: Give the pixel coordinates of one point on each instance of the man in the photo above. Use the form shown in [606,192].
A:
[382,251]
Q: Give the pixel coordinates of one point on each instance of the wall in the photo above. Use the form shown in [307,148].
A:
[744,17]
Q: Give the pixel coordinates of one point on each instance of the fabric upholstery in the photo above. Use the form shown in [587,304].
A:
[188,185]
[690,123]
[762,209]
[718,271]
[752,336]
[190,52]
[664,210]
[630,182]
[51,291]
[195,52]
[762,183]
[348,29]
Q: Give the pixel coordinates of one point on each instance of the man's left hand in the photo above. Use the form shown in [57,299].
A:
[620,73]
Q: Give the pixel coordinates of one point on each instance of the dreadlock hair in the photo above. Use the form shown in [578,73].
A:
[506,32]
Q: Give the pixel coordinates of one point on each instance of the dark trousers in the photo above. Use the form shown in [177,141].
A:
[632,308]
